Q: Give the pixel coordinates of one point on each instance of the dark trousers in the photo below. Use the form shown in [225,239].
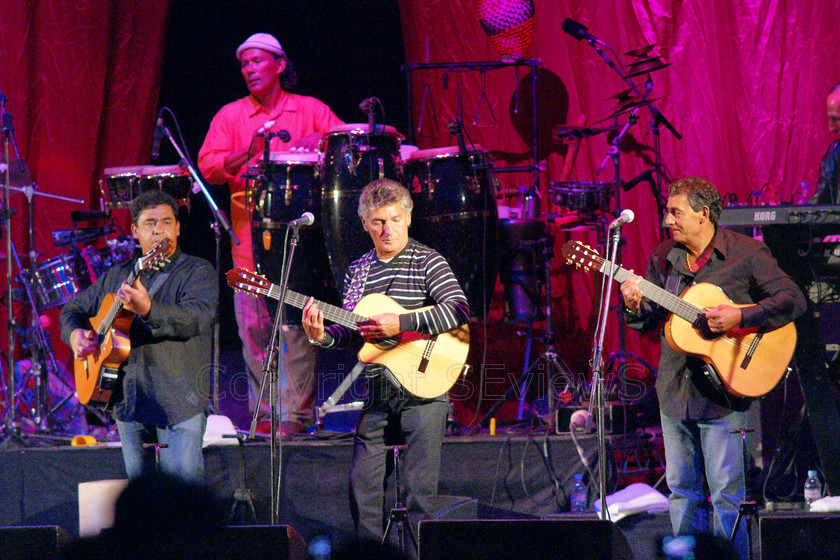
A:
[422,424]
[820,400]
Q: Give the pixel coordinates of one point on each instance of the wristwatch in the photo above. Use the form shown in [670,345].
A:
[315,342]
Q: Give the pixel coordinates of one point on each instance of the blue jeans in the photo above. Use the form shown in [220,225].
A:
[182,458]
[693,447]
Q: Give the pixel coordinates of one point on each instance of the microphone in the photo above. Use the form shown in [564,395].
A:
[307,219]
[456,127]
[368,107]
[578,31]
[283,135]
[158,136]
[646,175]
[578,420]
[577,423]
[625,217]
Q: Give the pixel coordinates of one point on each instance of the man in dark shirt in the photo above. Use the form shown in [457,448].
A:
[414,276]
[788,242]
[696,416]
[829,184]
[166,377]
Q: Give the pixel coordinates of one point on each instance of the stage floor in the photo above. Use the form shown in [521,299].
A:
[520,475]
[506,476]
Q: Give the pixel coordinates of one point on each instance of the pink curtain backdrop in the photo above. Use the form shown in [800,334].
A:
[83,82]
[745,87]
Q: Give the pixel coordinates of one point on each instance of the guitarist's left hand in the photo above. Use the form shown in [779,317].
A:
[381,326]
[722,318]
[135,299]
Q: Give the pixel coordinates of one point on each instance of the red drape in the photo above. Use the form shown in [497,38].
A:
[745,88]
[83,82]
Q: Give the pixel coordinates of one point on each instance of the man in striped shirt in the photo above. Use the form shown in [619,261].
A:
[414,276]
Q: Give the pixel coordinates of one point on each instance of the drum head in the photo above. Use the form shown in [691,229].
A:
[446,151]
[303,158]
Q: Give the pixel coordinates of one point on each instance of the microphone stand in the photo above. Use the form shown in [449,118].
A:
[7,131]
[219,218]
[273,373]
[597,395]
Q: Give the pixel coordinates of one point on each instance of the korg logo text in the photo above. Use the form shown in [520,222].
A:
[765,216]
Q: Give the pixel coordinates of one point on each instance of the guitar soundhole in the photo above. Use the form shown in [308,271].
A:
[702,325]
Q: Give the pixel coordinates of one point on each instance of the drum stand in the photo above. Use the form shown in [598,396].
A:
[42,357]
[548,362]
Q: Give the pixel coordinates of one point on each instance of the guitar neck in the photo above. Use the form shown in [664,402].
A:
[331,312]
[656,294]
[116,307]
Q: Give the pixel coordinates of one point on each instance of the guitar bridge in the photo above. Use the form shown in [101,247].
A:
[108,378]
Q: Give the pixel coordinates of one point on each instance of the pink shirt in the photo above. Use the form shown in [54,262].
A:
[233,128]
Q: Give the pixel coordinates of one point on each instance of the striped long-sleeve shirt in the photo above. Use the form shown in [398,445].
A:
[417,277]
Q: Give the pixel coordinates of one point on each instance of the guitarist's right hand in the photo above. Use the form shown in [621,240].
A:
[84,342]
[313,321]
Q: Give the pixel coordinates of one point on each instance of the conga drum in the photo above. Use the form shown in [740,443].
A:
[289,187]
[350,159]
[119,186]
[455,213]
[172,179]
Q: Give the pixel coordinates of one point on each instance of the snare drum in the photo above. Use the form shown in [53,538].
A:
[586,197]
[352,158]
[57,280]
[291,188]
[455,213]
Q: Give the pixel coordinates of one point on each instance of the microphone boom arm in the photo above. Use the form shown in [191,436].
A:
[217,212]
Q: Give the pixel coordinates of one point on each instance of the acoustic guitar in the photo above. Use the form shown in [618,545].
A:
[426,366]
[98,375]
[743,362]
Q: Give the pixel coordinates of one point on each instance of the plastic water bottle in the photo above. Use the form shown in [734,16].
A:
[579,495]
[813,488]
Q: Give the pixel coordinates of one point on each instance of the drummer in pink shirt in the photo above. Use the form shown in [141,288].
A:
[231,144]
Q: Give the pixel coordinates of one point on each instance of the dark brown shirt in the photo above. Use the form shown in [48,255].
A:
[747,273]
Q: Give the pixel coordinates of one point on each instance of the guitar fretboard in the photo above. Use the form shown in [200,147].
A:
[116,307]
[333,313]
[656,294]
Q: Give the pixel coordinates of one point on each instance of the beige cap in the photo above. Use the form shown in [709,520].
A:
[262,41]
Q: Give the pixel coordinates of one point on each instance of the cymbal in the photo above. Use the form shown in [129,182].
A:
[622,96]
[16,178]
[562,131]
[627,107]
[646,66]
[639,52]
